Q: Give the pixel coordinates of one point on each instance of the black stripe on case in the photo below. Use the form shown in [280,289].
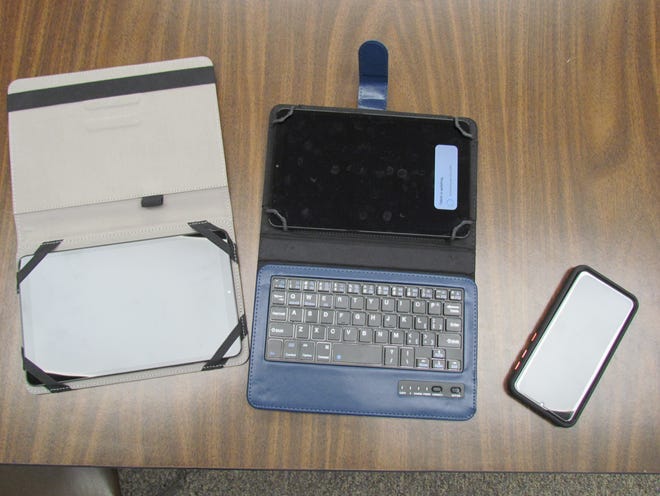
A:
[110,87]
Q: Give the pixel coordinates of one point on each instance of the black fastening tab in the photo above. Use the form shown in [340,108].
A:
[152,201]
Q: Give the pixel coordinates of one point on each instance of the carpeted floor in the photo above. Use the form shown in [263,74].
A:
[162,482]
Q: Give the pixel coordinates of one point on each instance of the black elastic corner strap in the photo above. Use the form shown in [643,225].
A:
[218,360]
[43,250]
[460,126]
[210,232]
[49,383]
[282,219]
[110,87]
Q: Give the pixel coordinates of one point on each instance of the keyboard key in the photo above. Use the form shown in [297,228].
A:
[447,340]
[405,322]
[302,331]
[357,354]
[325,286]
[407,357]
[318,333]
[453,365]
[308,285]
[403,306]
[422,363]
[295,315]
[368,289]
[439,353]
[396,337]
[441,294]
[454,325]
[428,339]
[435,308]
[359,319]
[437,323]
[310,300]
[339,287]
[327,317]
[334,333]
[277,313]
[366,335]
[350,334]
[343,318]
[382,336]
[354,288]
[391,356]
[372,303]
[280,330]
[419,306]
[382,290]
[453,309]
[390,320]
[291,349]
[374,320]
[295,284]
[279,283]
[306,350]
[456,294]
[357,303]
[421,323]
[438,364]
[278,298]
[326,301]
[341,302]
[323,352]
[412,338]
[426,293]
[312,316]
[294,299]
[274,348]
[387,305]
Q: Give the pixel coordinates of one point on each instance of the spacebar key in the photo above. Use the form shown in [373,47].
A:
[359,354]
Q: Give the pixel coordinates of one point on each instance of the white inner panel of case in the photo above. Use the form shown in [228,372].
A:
[116,148]
[120,221]
[126,307]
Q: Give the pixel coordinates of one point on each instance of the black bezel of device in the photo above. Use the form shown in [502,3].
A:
[366,171]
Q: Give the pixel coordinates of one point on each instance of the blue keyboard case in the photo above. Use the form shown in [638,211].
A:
[369,256]
[357,390]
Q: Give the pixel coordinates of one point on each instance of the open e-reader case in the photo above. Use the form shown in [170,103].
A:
[127,268]
[366,194]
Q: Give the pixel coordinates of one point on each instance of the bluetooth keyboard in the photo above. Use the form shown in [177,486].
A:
[369,324]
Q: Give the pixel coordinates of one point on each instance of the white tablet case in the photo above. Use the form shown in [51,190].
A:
[93,155]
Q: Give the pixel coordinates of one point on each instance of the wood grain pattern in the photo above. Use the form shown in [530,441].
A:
[565,94]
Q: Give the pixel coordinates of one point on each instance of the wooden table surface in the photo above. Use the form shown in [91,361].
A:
[565,94]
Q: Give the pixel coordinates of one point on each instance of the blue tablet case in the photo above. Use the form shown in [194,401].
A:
[369,256]
[352,201]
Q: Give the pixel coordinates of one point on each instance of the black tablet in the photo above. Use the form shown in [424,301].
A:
[370,171]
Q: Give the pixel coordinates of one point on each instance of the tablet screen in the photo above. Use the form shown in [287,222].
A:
[373,172]
[128,306]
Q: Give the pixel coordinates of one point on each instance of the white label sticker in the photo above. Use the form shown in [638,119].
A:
[446,177]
